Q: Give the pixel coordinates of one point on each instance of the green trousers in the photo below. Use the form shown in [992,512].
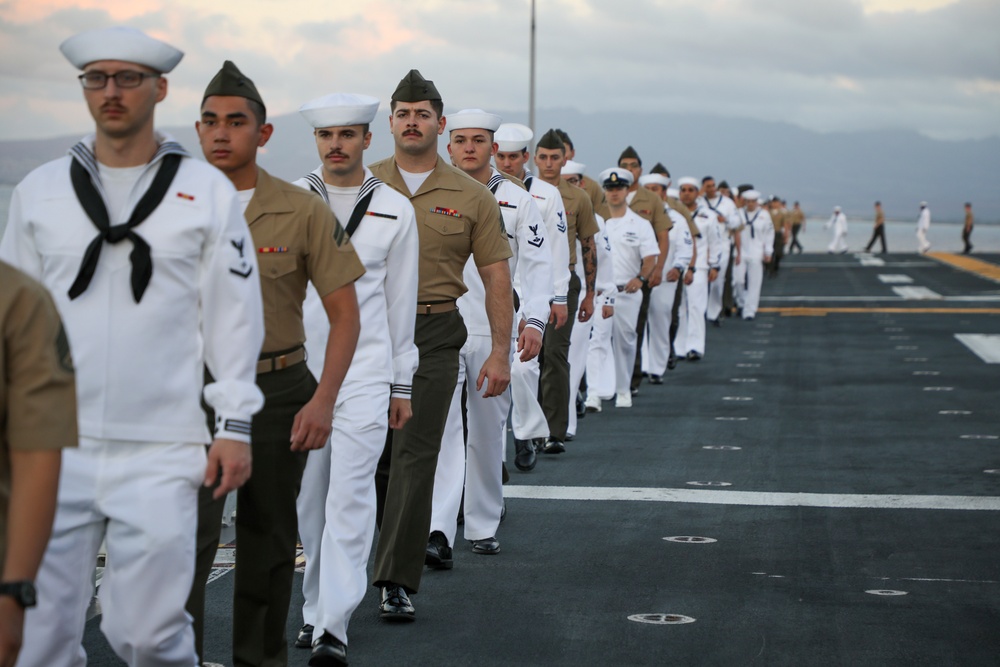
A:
[553,382]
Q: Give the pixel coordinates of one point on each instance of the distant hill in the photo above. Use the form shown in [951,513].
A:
[850,169]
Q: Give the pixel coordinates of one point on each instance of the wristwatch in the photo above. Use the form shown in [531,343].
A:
[23,592]
[643,279]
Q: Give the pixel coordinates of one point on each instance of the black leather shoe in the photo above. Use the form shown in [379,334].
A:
[305,638]
[655,379]
[328,651]
[716,323]
[487,547]
[554,446]
[438,556]
[538,444]
[581,410]
[635,391]
[693,356]
[396,606]
[524,455]
[671,362]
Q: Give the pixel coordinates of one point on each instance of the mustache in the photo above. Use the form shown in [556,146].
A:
[336,154]
[417,133]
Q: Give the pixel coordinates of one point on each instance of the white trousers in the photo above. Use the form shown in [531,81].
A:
[579,345]
[336,508]
[623,338]
[754,271]
[142,498]
[922,243]
[526,418]
[656,344]
[600,358]
[740,282]
[838,243]
[691,315]
[477,466]
[716,289]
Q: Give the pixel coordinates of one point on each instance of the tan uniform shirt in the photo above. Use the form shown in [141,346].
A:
[456,217]
[297,241]
[797,216]
[879,218]
[580,221]
[594,191]
[37,386]
[968,220]
[675,203]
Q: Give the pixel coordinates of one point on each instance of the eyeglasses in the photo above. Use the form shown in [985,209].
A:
[95,80]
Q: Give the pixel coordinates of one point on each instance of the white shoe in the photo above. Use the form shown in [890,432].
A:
[623,399]
[593,403]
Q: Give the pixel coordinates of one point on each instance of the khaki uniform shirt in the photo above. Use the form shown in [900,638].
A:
[37,386]
[797,216]
[456,217]
[778,220]
[298,241]
[879,218]
[675,203]
[580,221]
[968,220]
[594,191]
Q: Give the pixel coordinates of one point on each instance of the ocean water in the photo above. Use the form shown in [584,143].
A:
[900,234]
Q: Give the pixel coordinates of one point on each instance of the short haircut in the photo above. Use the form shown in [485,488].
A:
[878,203]
[258,111]
[968,204]
[706,180]
[436,105]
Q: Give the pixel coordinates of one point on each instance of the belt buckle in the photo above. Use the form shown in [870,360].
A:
[427,308]
[279,363]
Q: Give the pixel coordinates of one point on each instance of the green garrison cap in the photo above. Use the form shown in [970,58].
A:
[415,88]
[565,138]
[659,169]
[631,154]
[551,140]
[231,82]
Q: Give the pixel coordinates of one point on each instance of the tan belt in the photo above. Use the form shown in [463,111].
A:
[277,362]
[436,308]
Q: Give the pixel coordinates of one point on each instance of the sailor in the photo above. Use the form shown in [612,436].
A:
[583,337]
[478,461]
[691,323]
[967,229]
[664,301]
[634,248]
[152,269]
[589,185]
[297,241]
[757,246]
[838,224]
[879,230]
[528,422]
[725,211]
[798,221]
[456,217]
[38,411]
[336,505]
[923,226]
[672,201]
[581,226]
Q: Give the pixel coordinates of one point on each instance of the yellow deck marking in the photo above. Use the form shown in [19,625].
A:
[966,263]
[823,312]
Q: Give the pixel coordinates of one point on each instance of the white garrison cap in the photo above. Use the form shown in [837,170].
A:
[654,179]
[752,195]
[339,110]
[473,118]
[513,137]
[673,192]
[120,43]
[923,204]
[573,168]
[689,180]
[615,175]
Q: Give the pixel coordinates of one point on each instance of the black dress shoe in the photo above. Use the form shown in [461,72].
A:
[538,443]
[503,511]
[305,638]
[554,446]
[438,555]
[693,356]
[655,379]
[581,410]
[716,323]
[671,362]
[328,651]
[634,391]
[524,455]
[396,606]
[486,547]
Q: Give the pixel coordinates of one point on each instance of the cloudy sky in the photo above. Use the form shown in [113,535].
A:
[931,66]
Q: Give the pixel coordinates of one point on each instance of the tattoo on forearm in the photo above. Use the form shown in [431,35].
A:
[589,263]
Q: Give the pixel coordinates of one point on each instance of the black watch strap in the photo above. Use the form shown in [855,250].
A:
[23,592]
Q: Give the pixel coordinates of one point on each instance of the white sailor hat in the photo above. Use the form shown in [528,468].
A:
[473,118]
[654,179]
[836,209]
[923,204]
[688,180]
[513,137]
[120,43]
[573,168]
[339,110]
[751,195]
[673,192]
[615,176]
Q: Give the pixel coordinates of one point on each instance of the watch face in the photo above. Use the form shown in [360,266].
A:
[27,594]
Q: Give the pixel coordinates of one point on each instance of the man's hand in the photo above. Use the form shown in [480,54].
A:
[495,374]
[558,314]
[234,458]
[400,412]
[767,259]
[673,275]
[11,630]
[712,275]
[633,285]
[607,311]
[529,343]
[312,425]
[656,278]
[688,277]
[586,308]
[738,259]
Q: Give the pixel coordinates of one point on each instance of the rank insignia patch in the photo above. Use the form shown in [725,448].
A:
[440,210]
[184,195]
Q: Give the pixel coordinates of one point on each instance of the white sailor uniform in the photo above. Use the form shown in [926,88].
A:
[600,362]
[134,479]
[656,344]
[757,243]
[725,207]
[694,302]
[479,464]
[838,239]
[923,226]
[527,419]
[336,504]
